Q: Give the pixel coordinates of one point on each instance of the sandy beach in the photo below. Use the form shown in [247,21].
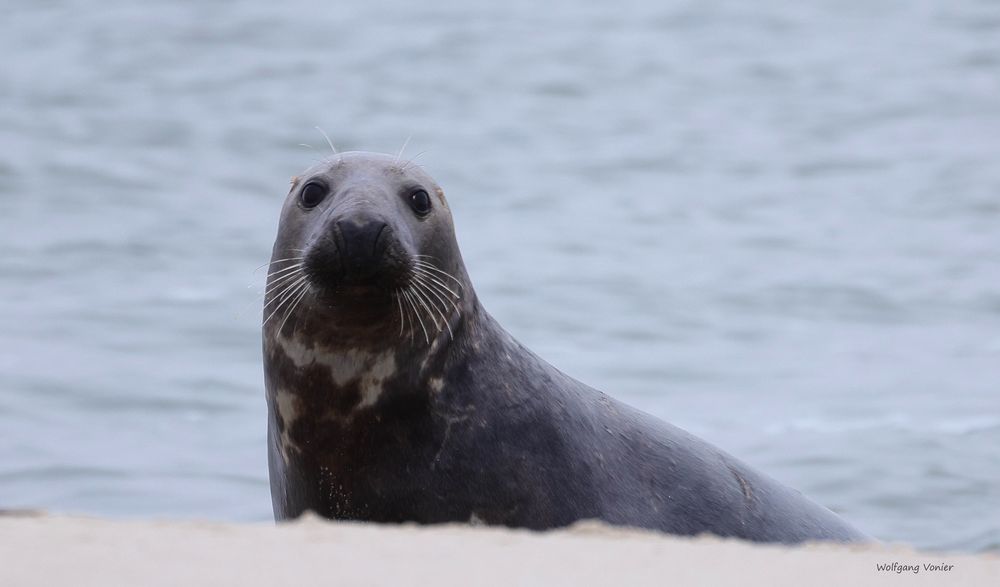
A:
[57,550]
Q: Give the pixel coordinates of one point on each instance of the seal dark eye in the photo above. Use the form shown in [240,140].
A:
[421,202]
[312,194]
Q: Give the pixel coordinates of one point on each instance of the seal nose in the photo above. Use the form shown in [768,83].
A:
[360,240]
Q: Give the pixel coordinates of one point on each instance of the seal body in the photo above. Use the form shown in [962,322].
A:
[393,396]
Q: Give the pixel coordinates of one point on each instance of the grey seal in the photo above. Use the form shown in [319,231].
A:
[393,396]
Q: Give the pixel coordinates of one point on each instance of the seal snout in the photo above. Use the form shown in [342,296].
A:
[357,250]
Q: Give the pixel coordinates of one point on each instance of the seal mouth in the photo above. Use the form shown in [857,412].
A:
[409,293]
[371,283]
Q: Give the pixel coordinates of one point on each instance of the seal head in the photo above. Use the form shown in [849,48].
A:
[366,242]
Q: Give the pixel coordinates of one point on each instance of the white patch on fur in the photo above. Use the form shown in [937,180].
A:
[436,383]
[344,367]
[369,369]
[288,412]
[299,353]
[383,367]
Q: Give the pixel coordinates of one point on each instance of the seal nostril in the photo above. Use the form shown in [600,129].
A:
[378,238]
[338,236]
[360,241]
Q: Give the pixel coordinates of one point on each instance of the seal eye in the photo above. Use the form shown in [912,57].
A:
[421,202]
[312,194]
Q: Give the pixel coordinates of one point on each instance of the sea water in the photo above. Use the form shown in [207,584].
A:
[774,224]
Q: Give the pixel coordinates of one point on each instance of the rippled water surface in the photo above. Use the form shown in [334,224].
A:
[774,224]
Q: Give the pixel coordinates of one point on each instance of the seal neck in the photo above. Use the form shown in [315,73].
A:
[342,371]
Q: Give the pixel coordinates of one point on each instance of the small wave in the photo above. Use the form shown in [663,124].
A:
[903,422]
[193,294]
[963,426]
[62,473]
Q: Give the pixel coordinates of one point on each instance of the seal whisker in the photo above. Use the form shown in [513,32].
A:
[422,298]
[439,271]
[290,268]
[408,295]
[295,260]
[428,292]
[431,281]
[286,298]
[436,269]
[291,309]
[409,319]
[295,298]
[423,263]
[428,262]
[444,307]
[328,141]
[435,288]
[262,265]
[401,149]
[276,282]
[422,289]
[283,284]
[285,288]
[285,269]
[285,295]
[416,316]
[400,304]
[430,276]
[299,258]
[412,160]
[404,314]
[281,281]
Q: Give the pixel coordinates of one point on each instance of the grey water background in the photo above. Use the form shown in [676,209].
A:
[774,224]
